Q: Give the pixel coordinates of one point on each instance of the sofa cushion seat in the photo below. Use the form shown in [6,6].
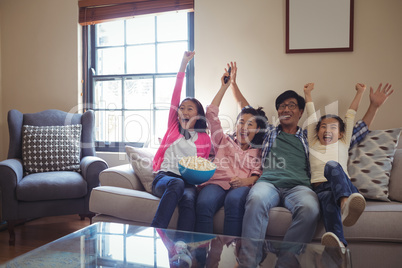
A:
[128,204]
[380,221]
[51,186]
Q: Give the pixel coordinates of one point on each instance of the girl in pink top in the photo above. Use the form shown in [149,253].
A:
[186,136]
[238,165]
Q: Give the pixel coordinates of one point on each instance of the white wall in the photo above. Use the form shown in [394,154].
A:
[40,57]
[252,33]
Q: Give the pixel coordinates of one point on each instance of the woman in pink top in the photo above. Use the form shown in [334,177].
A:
[238,165]
[186,136]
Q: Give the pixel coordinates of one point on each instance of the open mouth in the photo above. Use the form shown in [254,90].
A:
[327,138]
[244,135]
[284,117]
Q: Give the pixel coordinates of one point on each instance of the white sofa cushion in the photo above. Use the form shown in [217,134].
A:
[121,176]
[141,161]
[127,204]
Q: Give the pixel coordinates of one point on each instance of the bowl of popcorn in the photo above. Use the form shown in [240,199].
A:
[196,170]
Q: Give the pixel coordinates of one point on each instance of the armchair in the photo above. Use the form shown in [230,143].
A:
[27,191]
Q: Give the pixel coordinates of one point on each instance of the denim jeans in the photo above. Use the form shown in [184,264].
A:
[211,198]
[174,191]
[300,200]
[337,185]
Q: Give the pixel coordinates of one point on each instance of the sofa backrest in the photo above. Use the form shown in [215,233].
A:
[50,117]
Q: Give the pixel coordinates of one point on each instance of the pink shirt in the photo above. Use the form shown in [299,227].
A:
[230,159]
[203,143]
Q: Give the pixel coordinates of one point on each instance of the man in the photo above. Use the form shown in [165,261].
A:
[285,180]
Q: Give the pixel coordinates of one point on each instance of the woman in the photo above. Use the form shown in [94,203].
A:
[238,166]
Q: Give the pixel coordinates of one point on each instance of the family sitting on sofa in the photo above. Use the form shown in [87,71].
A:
[310,171]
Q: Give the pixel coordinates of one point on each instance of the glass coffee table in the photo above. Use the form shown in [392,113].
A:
[120,245]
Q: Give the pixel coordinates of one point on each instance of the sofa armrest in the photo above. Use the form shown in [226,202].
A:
[121,176]
[11,172]
[91,166]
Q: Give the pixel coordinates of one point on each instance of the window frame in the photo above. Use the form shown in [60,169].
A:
[89,65]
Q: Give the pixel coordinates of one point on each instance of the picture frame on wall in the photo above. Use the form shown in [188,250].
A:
[319,26]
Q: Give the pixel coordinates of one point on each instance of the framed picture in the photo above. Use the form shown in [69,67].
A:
[319,26]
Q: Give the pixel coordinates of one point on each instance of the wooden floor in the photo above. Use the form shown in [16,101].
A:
[38,232]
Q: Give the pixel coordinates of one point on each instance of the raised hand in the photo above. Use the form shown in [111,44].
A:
[307,91]
[225,75]
[187,56]
[308,87]
[360,87]
[378,97]
[233,72]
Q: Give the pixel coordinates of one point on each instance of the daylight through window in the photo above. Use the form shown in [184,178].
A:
[133,67]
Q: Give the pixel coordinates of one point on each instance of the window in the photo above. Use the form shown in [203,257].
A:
[133,65]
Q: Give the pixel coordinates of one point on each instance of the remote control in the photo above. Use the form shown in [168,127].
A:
[226,79]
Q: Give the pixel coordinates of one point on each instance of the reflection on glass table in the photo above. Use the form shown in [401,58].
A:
[121,245]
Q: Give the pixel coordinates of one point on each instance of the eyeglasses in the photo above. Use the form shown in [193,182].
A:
[291,106]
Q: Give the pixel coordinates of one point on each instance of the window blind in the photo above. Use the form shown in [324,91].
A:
[97,11]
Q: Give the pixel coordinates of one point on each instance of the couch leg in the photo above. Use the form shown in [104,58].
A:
[10,225]
[89,216]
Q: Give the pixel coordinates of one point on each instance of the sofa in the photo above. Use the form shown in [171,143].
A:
[375,240]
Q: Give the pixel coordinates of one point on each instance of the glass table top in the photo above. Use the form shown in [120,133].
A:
[120,245]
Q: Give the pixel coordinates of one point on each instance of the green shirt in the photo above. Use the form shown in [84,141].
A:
[286,165]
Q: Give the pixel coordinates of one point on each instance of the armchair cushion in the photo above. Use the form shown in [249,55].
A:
[51,186]
[51,148]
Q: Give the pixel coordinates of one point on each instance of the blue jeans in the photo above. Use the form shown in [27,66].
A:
[211,198]
[300,200]
[337,185]
[174,191]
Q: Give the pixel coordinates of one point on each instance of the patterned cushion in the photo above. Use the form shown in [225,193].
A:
[141,161]
[51,148]
[370,163]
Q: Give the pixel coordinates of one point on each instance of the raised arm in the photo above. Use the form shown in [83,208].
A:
[219,95]
[240,99]
[188,55]
[360,88]
[175,101]
[311,113]
[307,92]
[377,99]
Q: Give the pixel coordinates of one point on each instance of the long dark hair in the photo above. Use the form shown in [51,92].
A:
[261,120]
[201,123]
[340,121]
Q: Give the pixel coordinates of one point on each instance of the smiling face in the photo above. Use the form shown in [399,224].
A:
[188,114]
[329,131]
[246,128]
[289,113]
